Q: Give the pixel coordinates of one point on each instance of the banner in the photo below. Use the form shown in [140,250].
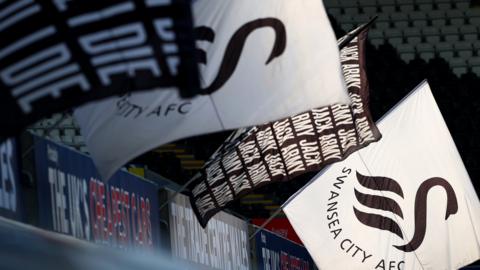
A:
[279,226]
[74,201]
[10,200]
[275,252]
[223,244]
[251,53]
[55,55]
[282,150]
[405,202]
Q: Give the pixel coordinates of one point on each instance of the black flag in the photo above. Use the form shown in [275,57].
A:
[55,55]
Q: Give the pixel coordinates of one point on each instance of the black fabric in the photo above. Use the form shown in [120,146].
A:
[55,55]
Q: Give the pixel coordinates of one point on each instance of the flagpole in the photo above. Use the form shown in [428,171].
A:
[182,188]
[266,222]
[351,36]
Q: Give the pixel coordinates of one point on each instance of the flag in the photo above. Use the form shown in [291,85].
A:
[405,202]
[285,149]
[55,55]
[260,61]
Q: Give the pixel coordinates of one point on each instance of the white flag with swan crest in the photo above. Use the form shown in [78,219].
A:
[405,202]
[259,61]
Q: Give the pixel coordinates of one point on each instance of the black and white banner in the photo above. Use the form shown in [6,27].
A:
[57,54]
[223,244]
[10,190]
[260,61]
[405,202]
[284,149]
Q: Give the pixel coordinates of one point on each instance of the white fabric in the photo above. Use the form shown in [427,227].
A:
[416,146]
[305,75]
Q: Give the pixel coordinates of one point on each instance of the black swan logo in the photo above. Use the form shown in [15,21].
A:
[235,46]
[387,204]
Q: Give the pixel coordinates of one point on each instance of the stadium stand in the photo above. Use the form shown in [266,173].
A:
[424,28]
[414,39]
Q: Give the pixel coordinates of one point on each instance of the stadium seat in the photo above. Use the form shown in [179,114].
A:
[432,39]
[67,121]
[470,37]
[399,16]
[332,3]
[430,31]
[423,1]
[449,30]
[38,131]
[420,23]
[443,46]
[382,25]
[370,10]
[474,21]
[407,8]
[436,14]
[348,3]
[347,26]
[78,140]
[407,57]
[417,15]
[352,11]
[452,38]
[472,12]
[388,9]
[447,55]
[395,41]
[427,55]
[377,42]
[54,132]
[469,29]
[463,45]
[444,6]
[375,33]
[401,24]
[414,40]
[409,32]
[367,2]
[438,22]
[386,2]
[457,62]
[406,48]
[465,54]
[454,13]
[363,18]
[69,132]
[402,2]
[335,12]
[459,71]
[474,61]
[67,139]
[462,5]
[424,47]
[425,7]
[458,22]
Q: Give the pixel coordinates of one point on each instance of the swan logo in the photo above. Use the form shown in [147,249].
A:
[235,46]
[387,204]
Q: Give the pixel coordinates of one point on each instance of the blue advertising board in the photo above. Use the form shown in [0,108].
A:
[10,202]
[74,200]
[276,252]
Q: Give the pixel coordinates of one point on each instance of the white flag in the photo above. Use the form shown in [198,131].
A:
[405,202]
[261,61]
